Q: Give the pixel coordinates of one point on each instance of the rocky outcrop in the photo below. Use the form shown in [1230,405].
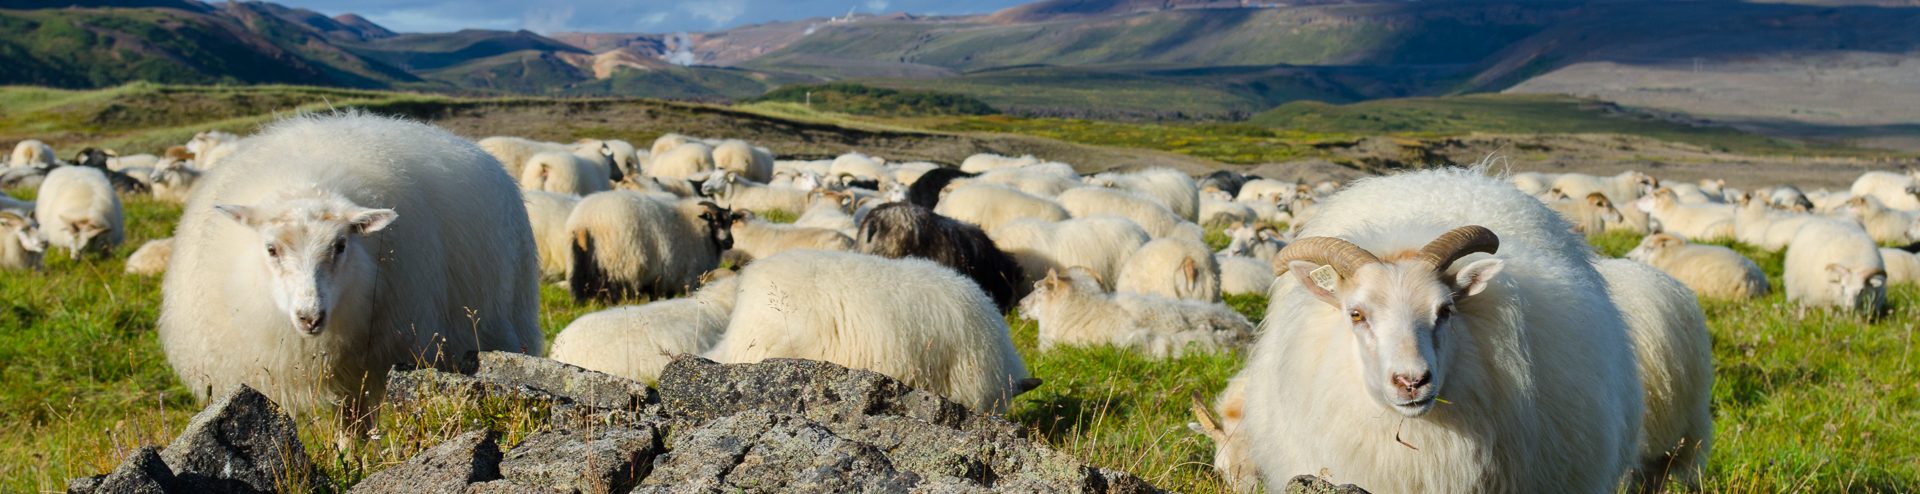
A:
[1308,484]
[775,426]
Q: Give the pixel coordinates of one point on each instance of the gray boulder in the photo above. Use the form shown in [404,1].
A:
[591,462]
[763,452]
[241,443]
[446,468]
[1311,484]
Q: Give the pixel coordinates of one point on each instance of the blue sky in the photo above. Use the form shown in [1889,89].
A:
[658,16]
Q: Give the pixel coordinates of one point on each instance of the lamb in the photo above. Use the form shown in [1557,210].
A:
[638,341]
[1177,268]
[293,273]
[685,161]
[1835,264]
[897,230]
[1902,266]
[1156,219]
[1072,309]
[1530,354]
[984,162]
[1168,187]
[630,244]
[21,243]
[927,325]
[1895,190]
[173,180]
[151,258]
[989,206]
[32,153]
[1591,215]
[562,173]
[1697,222]
[79,211]
[1675,354]
[1711,271]
[1884,225]
[729,190]
[754,163]
[758,239]
[1244,275]
[1101,244]
[547,214]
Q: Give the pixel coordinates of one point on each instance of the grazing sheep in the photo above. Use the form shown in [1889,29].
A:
[1711,271]
[1758,225]
[79,211]
[758,239]
[21,243]
[293,272]
[1902,267]
[547,214]
[989,206]
[1697,222]
[1895,190]
[1529,354]
[1101,244]
[173,180]
[925,325]
[513,152]
[1675,353]
[984,162]
[638,341]
[932,185]
[685,162]
[1883,224]
[1173,268]
[151,258]
[1072,309]
[1232,458]
[562,173]
[629,244]
[1156,219]
[897,230]
[32,153]
[1835,264]
[753,163]
[1590,216]
[1244,275]
[1170,188]
[729,190]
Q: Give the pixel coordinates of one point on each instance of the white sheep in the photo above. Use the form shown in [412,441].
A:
[1624,188]
[1266,190]
[513,152]
[1260,242]
[547,214]
[32,153]
[988,206]
[752,163]
[1533,183]
[172,180]
[79,212]
[856,167]
[1244,275]
[905,174]
[985,162]
[562,173]
[628,244]
[1101,244]
[620,157]
[1072,309]
[1756,224]
[204,141]
[686,161]
[1232,457]
[1510,372]
[1675,354]
[1711,271]
[151,258]
[1902,267]
[668,141]
[1885,225]
[1835,264]
[214,156]
[1592,215]
[1789,198]
[1176,268]
[925,325]
[638,341]
[760,239]
[1170,188]
[1895,190]
[830,210]
[1155,218]
[21,244]
[293,271]
[1033,180]
[1215,212]
[1693,221]
[729,190]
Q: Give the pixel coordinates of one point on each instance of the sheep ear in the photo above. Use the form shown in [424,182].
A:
[1302,271]
[1473,279]
[372,220]
[1192,272]
[10,219]
[240,214]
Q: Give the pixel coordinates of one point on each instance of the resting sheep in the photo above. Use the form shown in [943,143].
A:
[1696,222]
[1711,271]
[637,341]
[1527,351]
[988,206]
[1884,225]
[79,211]
[1756,224]
[758,239]
[151,258]
[630,244]
[1244,275]
[1177,268]
[293,271]
[1675,353]
[32,153]
[985,162]
[897,230]
[1591,216]
[1895,190]
[173,180]
[925,325]
[1101,244]
[1156,219]
[21,243]
[1835,264]
[1072,309]
[1902,266]
[730,191]
[1170,188]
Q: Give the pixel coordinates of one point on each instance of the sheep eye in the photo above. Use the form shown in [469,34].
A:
[273,252]
[339,246]
[1357,316]
[1445,312]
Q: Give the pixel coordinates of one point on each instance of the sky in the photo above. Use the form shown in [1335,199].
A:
[653,16]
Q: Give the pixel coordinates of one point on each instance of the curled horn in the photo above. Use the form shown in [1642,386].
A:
[1342,255]
[1455,244]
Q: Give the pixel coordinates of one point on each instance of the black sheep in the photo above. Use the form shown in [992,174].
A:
[925,192]
[97,159]
[1225,181]
[900,229]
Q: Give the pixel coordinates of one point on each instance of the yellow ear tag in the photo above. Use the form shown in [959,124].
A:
[1325,277]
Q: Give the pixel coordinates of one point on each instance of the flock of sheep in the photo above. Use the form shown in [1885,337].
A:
[1438,330]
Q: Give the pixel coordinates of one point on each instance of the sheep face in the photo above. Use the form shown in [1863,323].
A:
[313,254]
[1608,215]
[80,232]
[1055,286]
[1863,288]
[25,230]
[1654,245]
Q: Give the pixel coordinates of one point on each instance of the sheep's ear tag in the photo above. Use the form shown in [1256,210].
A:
[1325,277]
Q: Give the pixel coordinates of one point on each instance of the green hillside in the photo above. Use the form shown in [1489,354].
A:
[103,47]
[862,100]
[1506,114]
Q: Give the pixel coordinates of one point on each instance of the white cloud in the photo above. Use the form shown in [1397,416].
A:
[720,12]
[430,20]
[877,6]
[547,21]
[650,20]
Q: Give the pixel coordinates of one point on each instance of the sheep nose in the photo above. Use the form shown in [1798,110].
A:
[1410,383]
[310,322]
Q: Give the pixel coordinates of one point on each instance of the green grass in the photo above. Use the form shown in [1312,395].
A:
[1226,143]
